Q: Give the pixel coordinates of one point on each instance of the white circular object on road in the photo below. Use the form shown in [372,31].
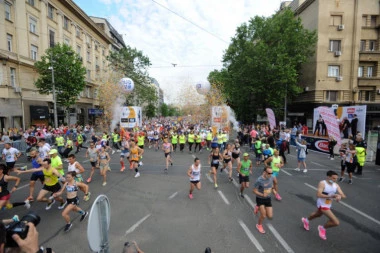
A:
[99,223]
[203,87]
[127,84]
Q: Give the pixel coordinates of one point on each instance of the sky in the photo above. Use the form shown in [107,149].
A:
[196,44]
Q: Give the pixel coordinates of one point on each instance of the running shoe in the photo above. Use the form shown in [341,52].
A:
[141,164]
[171,164]
[48,206]
[260,228]
[118,151]
[62,205]
[341,179]
[113,151]
[137,174]
[256,210]
[216,186]
[27,204]
[350,181]
[83,216]
[322,232]
[15,218]
[104,183]
[30,198]
[278,197]
[305,223]
[190,196]
[68,227]
[109,168]
[304,171]
[297,169]
[332,158]
[166,170]
[89,180]
[231,179]
[242,195]
[122,169]
[87,197]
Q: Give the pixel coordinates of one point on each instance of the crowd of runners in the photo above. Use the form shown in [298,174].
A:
[57,169]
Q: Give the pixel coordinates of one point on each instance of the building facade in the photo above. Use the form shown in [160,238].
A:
[345,68]
[29,27]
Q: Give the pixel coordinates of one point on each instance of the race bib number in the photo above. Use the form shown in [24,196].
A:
[268,191]
[47,180]
[328,201]
[215,161]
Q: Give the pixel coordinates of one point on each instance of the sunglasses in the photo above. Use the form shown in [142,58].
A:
[269,173]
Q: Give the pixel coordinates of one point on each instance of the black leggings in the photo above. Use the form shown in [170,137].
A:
[190,145]
[181,146]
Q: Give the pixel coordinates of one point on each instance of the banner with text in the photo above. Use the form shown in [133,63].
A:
[332,125]
[271,118]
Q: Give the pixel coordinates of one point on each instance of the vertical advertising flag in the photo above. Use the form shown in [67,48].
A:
[331,122]
[271,118]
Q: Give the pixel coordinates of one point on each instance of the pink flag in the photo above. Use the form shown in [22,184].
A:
[271,118]
[331,122]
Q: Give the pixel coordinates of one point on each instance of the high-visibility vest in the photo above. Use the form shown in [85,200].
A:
[190,138]
[209,136]
[182,139]
[174,139]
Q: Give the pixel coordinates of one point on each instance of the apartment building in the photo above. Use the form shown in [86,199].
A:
[117,39]
[345,68]
[27,29]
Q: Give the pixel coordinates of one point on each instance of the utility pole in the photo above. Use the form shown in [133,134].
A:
[285,103]
[54,93]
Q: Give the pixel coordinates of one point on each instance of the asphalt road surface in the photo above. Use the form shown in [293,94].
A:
[155,210]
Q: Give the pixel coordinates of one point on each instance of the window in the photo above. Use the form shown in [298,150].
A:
[13,77]
[360,71]
[372,45]
[31,2]
[77,32]
[8,13]
[88,39]
[333,71]
[335,45]
[362,45]
[79,50]
[88,74]
[96,46]
[88,56]
[335,20]
[32,25]
[51,38]
[103,52]
[9,42]
[369,71]
[65,23]
[331,96]
[33,52]
[364,20]
[50,11]
[366,95]
[88,91]
[66,41]
[373,21]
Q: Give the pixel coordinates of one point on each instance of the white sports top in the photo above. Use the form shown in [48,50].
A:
[196,173]
[71,167]
[329,190]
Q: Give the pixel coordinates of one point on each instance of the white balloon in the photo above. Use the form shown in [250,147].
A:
[203,87]
[127,84]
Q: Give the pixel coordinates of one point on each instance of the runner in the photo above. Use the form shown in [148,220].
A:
[245,169]
[182,141]
[190,140]
[156,139]
[75,166]
[276,163]
[208,139]
[68,148]
[167,148]
[141,140]
[263,189]
[198,141]
[227,156]
[194,174]
[36,163]
[103,163]
[214,160]
[328,190]
[51,183]
[124,153]
[56,162]
[5,195]
[72,186]
[236,153]
[302,152]
[351,161]
[136,153]
[257,145]
[43,149]
[92,153]
[174,141]
[10,155]
[60,142]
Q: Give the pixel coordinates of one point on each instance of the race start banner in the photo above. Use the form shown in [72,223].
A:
[271,118]
[331,122]
[131,116]
[220,118]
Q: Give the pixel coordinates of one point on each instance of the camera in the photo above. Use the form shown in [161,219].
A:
[21,228]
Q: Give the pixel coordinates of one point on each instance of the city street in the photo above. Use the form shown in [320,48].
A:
[155,211]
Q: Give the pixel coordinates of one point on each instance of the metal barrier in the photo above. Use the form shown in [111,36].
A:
[20,145]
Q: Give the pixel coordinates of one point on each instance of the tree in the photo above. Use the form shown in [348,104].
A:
[164,110]
[69,74]
[150,111]
[262,63]
[134,64]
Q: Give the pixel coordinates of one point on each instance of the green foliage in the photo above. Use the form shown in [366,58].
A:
[134,64]
[69,74]
[262,64]
[164,110]
[172,111]
[150,111]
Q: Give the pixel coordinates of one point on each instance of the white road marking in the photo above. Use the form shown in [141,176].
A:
[193,156]
[250,202]
[251,237]
[280,239]
[318,164]
[173,195]
[287,173]
[209,178]
[352,208]
[131,229]
[223,197]
[292,155]
[21,187]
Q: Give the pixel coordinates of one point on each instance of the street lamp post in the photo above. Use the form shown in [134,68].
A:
[54,94]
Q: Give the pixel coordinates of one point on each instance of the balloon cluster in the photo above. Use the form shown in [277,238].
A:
[127,84]
[203,87]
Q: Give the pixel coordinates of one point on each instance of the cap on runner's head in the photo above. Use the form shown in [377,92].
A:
[8,142]
[53,151]
[245,154]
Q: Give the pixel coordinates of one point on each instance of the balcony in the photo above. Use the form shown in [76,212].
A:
[368,81]
[369,55]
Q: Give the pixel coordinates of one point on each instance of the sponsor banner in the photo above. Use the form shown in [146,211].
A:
[220,117]
[271,118]
[130,116]
[317,144]
[331,123]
